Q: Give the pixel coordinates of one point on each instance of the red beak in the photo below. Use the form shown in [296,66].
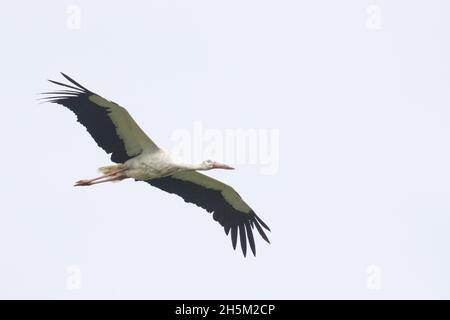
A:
[218,165]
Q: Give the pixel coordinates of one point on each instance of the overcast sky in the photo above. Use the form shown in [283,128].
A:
[354,95]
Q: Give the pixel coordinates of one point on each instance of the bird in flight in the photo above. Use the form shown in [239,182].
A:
[138,157]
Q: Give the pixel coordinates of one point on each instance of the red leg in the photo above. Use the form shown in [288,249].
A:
[88,182]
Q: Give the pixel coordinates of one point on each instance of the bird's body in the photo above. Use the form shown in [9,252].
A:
[138,157]
[148,166]
[152,165]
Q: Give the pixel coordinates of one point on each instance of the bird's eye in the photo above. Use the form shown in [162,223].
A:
[209,161]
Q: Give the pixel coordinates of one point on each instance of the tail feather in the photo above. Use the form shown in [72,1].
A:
[110,169]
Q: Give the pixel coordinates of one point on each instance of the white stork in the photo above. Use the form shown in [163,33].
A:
[138,157]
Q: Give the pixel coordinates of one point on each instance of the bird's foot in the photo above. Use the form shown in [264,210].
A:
[85,182]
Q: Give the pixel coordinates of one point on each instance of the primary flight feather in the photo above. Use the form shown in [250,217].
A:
[138,157]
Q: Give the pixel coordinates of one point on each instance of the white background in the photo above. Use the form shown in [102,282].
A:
[364,122]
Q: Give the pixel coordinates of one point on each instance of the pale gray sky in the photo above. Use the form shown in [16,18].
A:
[358,91]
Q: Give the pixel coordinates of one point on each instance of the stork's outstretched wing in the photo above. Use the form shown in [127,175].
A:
[216,197]
[109,124]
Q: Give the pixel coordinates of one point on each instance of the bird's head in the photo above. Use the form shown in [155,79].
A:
[209,164]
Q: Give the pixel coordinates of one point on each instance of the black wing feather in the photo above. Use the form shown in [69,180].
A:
[93,117]
[213,201]
[243,238]
[261,231]
[250,237]
[234,236]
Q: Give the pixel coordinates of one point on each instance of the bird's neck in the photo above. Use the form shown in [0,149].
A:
[192,167]
[180,165]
